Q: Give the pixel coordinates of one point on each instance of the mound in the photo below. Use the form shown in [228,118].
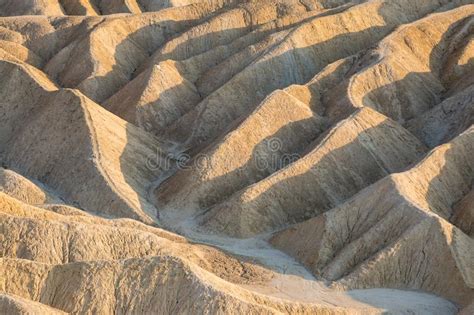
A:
[15,305]
[96,256]
[30,7]
[236,156]
[296,59]
[21,188]
[249,153]
[350,157]
[400,217]
[99,155]
[151,99]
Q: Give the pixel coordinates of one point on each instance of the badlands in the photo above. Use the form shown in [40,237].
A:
[237,157]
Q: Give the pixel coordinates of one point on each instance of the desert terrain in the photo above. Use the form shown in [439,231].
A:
[237,157]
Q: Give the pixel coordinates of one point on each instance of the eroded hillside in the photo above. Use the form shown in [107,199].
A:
[236,156]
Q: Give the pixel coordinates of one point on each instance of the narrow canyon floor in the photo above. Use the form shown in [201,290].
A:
[237,157]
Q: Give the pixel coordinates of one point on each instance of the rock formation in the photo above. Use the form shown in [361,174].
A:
[236,156]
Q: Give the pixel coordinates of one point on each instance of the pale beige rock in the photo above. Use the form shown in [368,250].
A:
[30,7]
[406,81]
[24,229]
[178,270]
[100,153]
[21,53]
[400,217]
[295,60]
[354,154]
[10,304]
[11,36]
[246,155]
[236,156]
[70,214]
[150,100]
[129,40]
[21,188]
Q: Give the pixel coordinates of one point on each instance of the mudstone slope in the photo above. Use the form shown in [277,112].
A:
[236,156]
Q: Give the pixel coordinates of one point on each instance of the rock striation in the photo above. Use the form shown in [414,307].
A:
[236,156]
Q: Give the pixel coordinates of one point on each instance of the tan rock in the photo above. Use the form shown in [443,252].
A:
[319,181]
[21,188]
[400,217]
[315,156]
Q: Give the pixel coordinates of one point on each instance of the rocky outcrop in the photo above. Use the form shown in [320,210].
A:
[100,154]
[21,188]
[319,181]
[236,156]
[400,216]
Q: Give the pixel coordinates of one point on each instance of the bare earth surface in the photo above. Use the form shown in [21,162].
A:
[237,157]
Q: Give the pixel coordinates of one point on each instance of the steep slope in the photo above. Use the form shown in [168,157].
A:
[30,7]
[149,101]
[85,238]
[169,274]
[45,35]
[236,156]
[129,40]
[105,7]
[446,120]
[10,304]
[99,146]
[463,214]
[408,78]
[21,53]
[295,60]
[201,73]
[21,188]
[407,210]
[247,154]
[354,154]
[297,118]
[339,89]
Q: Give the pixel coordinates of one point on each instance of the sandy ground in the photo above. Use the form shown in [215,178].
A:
[294,282]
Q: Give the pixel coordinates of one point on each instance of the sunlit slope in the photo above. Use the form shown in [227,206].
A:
[236,156]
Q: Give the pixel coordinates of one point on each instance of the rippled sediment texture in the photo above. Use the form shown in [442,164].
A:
[236,156]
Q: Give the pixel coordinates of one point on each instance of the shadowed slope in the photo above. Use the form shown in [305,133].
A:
[269,133]
[354,154]
[91,138]
[407,209]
